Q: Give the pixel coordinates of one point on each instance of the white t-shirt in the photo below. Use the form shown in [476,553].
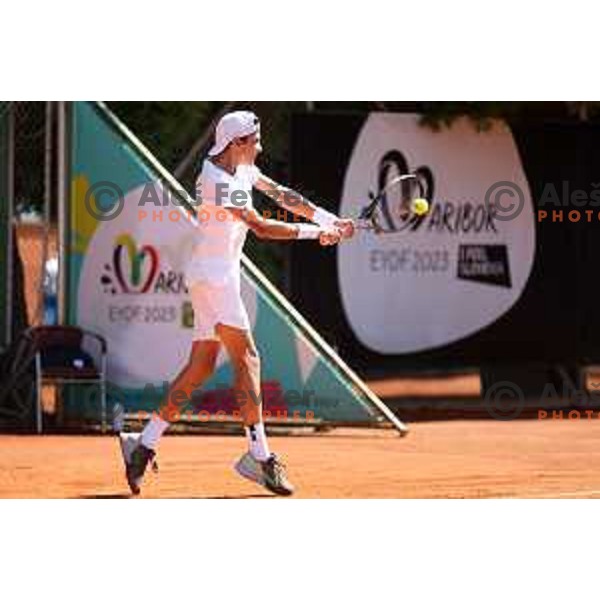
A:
[220,238]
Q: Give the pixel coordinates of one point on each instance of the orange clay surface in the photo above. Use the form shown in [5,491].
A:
[455,459]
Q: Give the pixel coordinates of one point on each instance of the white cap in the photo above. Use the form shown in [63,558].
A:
[231,126]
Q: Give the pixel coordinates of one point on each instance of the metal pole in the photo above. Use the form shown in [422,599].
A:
[47,197]
[10,213]
[63,199]
[38,397]
[103,394]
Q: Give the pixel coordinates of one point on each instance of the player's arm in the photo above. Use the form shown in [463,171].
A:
[299,205]
[278,230]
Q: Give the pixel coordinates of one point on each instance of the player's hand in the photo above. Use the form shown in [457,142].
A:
[330,237]
[346,228]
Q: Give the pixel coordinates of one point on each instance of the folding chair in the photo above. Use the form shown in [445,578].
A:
[62,355]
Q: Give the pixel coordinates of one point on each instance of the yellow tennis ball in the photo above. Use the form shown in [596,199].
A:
[420,206]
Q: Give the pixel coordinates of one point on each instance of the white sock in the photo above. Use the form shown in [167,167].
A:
[152,432]
[257,442]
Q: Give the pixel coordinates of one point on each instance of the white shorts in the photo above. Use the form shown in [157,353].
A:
[214,304]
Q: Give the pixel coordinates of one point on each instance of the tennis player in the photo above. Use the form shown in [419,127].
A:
[224,187]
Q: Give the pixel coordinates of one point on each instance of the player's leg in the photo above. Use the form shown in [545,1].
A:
[200,366]
[259,464]
[245,363]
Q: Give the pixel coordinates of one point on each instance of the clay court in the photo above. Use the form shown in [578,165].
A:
[456,459]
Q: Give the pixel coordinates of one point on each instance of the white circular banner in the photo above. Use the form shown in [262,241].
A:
[442,277]
[132,289]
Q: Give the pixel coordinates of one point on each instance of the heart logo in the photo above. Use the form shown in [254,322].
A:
[392,165]
[143,265]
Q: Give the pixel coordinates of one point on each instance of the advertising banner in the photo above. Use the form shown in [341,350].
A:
[130,238]
[455,270]
[501,268]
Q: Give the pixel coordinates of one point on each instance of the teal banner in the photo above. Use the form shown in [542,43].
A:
[127,245]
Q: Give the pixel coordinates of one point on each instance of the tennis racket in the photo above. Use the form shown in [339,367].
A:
[399,203]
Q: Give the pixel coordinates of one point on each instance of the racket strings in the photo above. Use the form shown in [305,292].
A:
[391,209]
